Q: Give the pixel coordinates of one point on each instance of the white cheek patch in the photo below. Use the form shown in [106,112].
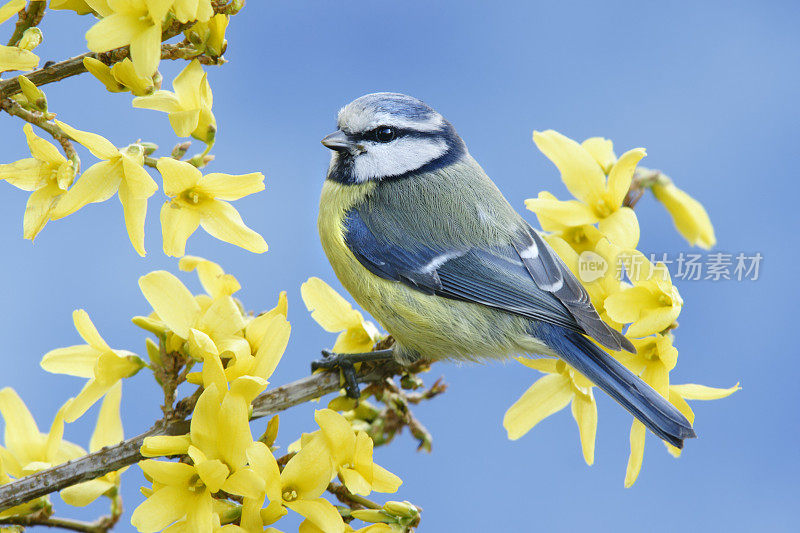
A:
[397,157]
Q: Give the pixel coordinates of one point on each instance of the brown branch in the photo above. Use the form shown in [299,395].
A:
[112,458]
[28,18]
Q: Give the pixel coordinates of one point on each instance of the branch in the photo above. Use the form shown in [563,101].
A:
[112,458]
[102,525]
[27,19]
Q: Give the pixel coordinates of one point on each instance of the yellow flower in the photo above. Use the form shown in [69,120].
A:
[654,359]
[107,432]
[678,394]
[26,449]
[48,174]
[209,36]
[183,491]
[14,57]
[120,172]
[199,200]
[561,386]
[652,304]
[104,366]
[334,314]
[689,215]
[213,279]
[584,168]
[217,443]
[130,22]
[298,487]
[351,453]
[121,77]
[189,107]
[180,312]
[256,330]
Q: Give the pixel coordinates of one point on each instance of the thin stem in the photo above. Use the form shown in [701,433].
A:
[102,525]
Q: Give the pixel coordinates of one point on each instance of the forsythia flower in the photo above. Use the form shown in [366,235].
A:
[652,304]
[209,36]
[107,432]
[199,200]
[335,314]
[189,107]
[561,386]
[104,366]
[655,357]
[678,394]
[130,22]
[689,215]
[121,172]
[121,77]
[214,325]
[189,10]
[298,487]
[48,174]
[13,57]
[26,449]
[584,168]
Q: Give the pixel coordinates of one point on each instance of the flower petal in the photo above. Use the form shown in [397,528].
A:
[164,101]
[91,392]
[99,146]
[135,211]
[566,213]
[171,300]
[108,430]
[579,171]
[232,187]
[320,512]
[271,347]
[602,150]
[688,215]
[163,507]
[184,122]
[83,494]
[547,396]
[96,184]
[177,225]
[692,391]
[584,410]
[621,228]
[73,360]
[327,306]
[146,50]
[637,453]
[221,220]
[178,175]
[22,437]
[619,179]
[309,471]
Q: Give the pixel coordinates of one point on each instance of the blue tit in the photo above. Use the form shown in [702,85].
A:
[422,239]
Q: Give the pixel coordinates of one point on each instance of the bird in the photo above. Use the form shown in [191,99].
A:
[423,240]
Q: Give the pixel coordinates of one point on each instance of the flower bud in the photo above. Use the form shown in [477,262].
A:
[31,38]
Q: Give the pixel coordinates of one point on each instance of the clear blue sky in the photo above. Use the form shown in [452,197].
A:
[708,88]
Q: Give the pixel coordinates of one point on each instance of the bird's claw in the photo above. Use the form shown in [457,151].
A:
[332,361]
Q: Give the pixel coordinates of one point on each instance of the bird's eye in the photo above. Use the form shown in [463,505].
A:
[385,134]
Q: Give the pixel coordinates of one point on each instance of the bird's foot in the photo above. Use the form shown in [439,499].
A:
[346,363]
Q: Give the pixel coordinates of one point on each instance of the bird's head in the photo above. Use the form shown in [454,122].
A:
[389,136]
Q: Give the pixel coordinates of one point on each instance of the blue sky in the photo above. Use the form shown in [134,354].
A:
[708,88]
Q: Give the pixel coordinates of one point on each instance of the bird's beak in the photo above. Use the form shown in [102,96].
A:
[337,141]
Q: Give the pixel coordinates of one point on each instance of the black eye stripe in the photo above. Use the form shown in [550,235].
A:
[371,135]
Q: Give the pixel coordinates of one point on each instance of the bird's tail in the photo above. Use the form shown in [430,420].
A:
[643,402]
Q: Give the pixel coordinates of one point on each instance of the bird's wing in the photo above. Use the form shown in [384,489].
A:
[523,277]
